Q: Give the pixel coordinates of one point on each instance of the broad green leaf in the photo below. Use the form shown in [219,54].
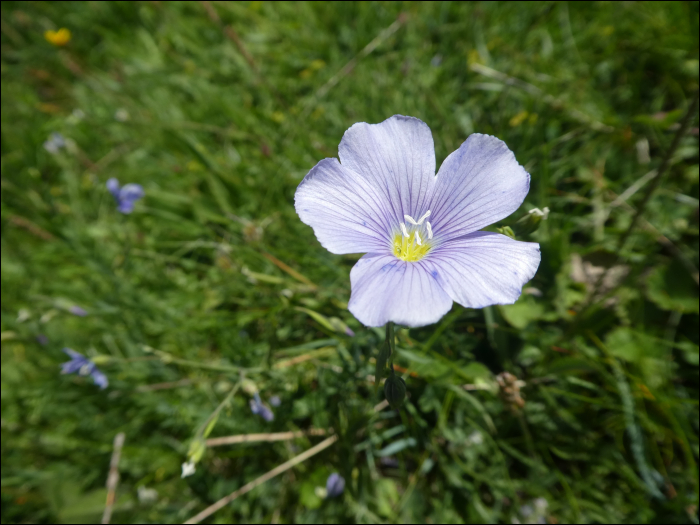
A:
[671,288]
[522,312]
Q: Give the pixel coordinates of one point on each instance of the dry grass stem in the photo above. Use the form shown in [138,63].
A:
[211,509]
[270,436]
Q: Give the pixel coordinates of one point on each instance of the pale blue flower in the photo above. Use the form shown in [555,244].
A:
[77,310]
[55,143]
[126,196]
[419,231]
[260,409]
[275,401]
[83,366]
[335,485]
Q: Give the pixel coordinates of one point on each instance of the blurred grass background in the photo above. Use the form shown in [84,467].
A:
[213,286]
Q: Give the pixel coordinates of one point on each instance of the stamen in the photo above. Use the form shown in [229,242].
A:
[430,230]
[403,230]
[417,239]
[425,216]
[410,219]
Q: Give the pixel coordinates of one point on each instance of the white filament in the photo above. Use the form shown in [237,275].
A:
[417,239]
[425,216]
[430,230]
[403,230]
[410,219]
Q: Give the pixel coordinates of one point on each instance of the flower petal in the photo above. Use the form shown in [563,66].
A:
[484,268]
[99,378]
[477,185]
[385,289]
[397,157]
[72,366]
[113,187]
[347,214]
[131,192]
[73,354]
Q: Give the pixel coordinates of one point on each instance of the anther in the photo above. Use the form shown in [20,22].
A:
[425,216]
[403,230]
[430,230]
[410,219]
[417,239]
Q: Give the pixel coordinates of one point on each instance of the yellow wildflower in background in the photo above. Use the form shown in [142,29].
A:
[58,38]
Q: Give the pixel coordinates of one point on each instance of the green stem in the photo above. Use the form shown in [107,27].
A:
[203,426]
[391,341]
[166,358]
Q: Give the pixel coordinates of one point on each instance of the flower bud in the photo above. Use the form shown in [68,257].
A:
[530,222]
[197,449]
[395,390]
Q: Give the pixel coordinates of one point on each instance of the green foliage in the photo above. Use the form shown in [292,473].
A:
[213,290]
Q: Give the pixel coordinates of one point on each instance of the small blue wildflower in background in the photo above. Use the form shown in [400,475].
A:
[275,401]
[335,485]
[83,366]
[55,143]
[126,196]
[76,310]
[259,409]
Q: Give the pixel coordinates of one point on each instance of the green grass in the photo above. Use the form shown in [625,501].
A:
[229,105]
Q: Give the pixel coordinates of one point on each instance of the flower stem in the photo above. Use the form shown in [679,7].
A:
[391,341]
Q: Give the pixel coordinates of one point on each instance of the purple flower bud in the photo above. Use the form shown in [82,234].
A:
[76,310]
[335,485]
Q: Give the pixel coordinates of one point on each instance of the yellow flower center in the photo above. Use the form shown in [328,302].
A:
[413,243]
[408,249]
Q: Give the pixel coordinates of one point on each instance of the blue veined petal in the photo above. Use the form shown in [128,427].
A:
[477,185]
[348,214]
[385,289]
[397,157]
[484,268]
